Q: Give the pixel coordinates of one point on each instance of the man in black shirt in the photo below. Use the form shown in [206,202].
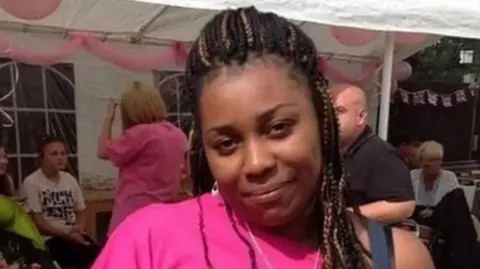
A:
[378,179]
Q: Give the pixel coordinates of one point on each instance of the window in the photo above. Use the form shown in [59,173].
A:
[43,103]
[169,84]
[466,56]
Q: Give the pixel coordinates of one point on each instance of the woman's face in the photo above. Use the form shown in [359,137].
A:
[431,166]
[261,139]
[55,156]
[3,161]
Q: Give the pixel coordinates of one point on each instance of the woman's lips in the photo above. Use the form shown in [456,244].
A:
[266,196]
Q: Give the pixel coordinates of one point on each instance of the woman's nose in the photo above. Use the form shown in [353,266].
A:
[259,160]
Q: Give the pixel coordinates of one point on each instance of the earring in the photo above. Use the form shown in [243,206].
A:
[214,190]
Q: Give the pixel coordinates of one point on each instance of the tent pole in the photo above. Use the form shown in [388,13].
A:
[386,86]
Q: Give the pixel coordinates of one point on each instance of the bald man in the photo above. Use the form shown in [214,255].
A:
[378,179]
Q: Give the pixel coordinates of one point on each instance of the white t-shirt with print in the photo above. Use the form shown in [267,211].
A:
[57,201]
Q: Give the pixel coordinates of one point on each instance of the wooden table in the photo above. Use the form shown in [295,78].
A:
[102,202]
[97,201]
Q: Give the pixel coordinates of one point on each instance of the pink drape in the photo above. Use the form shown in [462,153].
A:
[175,54]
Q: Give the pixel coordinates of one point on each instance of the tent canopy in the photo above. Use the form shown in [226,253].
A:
[157,22]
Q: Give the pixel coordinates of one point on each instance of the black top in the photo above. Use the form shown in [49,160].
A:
[374,172]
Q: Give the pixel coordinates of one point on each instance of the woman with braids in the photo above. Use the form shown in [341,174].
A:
[268,138]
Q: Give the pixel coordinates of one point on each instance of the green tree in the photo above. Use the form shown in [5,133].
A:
[441,61]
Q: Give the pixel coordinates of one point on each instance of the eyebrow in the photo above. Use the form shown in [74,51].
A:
[263,116]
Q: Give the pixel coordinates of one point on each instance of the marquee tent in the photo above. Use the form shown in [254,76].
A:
[143,28]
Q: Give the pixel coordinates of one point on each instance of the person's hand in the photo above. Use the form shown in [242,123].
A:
[426,213]
[35,266]
[3,262]
[78,229]
[111,107]
[77,238]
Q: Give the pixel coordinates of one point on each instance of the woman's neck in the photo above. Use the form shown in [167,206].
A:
[51,174]
[303,231]
[429,180]
[305,228]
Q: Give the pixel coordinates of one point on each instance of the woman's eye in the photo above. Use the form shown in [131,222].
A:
[280,129]
[225,146]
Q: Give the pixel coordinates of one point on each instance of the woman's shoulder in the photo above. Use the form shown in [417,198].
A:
[409,251]
[161,217]
[34,177]
[158,232]
[415,173]
[448,175]
[66,176]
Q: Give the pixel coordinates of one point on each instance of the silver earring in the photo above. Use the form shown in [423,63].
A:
[214,190]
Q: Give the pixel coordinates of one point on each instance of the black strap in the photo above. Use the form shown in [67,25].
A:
[381,245]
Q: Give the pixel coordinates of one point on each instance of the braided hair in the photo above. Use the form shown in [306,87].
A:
[237,37]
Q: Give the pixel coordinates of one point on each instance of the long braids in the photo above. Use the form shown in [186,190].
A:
[235,36]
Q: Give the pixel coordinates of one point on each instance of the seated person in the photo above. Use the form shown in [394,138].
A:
[409,152]
[6,182]
[17,228]
[430,182]
[57,207]
[442,206]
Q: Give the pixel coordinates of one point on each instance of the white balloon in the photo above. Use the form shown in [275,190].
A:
[402,71]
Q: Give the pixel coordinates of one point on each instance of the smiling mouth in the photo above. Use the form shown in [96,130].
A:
[267,195]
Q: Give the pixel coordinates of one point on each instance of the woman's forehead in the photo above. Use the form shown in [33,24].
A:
[250,91]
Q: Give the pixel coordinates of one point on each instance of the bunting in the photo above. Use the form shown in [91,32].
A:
[430,97]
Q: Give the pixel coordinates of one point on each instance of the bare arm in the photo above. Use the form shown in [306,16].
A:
[105,135]
[388,212]
[106,132]
[46,228]
[81,220]
[410,252]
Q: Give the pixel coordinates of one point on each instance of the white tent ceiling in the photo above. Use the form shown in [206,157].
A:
[157,22]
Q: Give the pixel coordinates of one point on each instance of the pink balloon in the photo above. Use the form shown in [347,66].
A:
[30,9]
[409,38]
[402,71]
[352,37]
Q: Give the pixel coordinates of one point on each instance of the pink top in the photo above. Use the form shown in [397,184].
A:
[168,237]
[150,159]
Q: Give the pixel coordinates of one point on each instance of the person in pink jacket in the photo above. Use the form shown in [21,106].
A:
[150,153]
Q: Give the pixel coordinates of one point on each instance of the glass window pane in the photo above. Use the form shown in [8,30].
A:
[28,165]
[186,124]
[72,166]
[60,81]
[173,119]
[29,91]
[31,126]
[8,135]
[6,82]
[64,125]
[12,170]
[168,83]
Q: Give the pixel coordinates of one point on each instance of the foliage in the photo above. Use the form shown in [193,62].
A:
[441,61]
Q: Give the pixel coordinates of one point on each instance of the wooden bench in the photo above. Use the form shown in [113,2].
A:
[97,201]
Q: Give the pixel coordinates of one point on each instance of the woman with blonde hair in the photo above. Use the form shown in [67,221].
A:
[150,153]
[442,207]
